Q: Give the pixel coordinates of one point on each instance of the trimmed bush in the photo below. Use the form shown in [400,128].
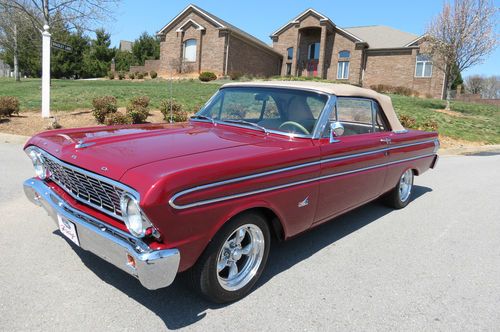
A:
[408,121]
[399,90]
[137,109]
[131,76]
[8,106]
[121,75]
[178,114]
[429,125]
[207,76]
[117,119]
[153,74]
[102,106]
[139,75]
[111,75]
[235,75]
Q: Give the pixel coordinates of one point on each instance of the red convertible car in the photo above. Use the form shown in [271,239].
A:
[258,161]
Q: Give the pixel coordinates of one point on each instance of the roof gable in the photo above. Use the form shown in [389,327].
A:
[197,10]
[189,23]
[299,17]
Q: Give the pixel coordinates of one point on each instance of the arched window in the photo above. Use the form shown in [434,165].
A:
[313,53]
[189,52]
[344,54]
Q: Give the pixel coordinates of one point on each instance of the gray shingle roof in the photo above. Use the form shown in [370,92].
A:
[379,36]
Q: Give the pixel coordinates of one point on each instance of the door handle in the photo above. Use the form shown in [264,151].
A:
[385,140]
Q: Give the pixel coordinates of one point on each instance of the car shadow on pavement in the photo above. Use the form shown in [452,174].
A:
[179,307]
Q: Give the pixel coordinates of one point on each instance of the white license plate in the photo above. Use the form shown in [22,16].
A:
[68,229]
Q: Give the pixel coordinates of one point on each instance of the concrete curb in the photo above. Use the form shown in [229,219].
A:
[11,138]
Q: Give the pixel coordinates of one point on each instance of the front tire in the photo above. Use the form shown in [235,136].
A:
[234,259]
[400,195]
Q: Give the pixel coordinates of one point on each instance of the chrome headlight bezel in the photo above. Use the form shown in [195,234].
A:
[35,155]
[137,223]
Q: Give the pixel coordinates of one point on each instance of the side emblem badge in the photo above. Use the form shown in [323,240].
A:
[303,203]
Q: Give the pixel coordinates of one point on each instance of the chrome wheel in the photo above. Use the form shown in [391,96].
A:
[405,185]
[240,257]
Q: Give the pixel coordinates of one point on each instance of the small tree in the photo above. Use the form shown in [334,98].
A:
[474,84]
[461,36]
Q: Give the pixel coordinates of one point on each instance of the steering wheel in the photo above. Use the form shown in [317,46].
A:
[296,125]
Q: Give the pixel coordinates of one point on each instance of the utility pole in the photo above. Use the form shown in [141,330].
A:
[45,72]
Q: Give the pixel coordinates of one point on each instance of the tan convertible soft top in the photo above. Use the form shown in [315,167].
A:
[344,90]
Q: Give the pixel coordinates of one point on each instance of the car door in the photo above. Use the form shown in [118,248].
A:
[353,166]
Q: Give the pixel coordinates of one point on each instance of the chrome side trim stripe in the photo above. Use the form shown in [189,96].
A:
[259,191]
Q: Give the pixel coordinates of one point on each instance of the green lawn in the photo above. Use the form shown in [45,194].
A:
[479,122]
[68,95]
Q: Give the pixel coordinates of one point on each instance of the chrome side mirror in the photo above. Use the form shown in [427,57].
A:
[336,130]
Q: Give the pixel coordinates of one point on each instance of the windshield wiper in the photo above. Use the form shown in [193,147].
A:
[247,123]
[204,117]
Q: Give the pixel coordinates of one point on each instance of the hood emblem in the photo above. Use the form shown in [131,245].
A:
[81,144]
[104,169]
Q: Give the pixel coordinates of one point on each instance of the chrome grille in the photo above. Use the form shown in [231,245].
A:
[80,184]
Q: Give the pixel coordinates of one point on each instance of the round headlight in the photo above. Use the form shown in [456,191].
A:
[133,217]
[36,159]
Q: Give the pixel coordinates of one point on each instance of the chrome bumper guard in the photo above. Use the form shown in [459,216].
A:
[154,268]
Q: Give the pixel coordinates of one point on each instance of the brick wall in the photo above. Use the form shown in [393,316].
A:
[244,57]
[210,45]
[397,68]
[342,43]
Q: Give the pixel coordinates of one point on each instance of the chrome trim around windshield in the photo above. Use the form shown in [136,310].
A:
[109,181]
[285,169]
[315,133]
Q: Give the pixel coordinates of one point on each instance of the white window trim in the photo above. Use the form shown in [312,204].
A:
[309,51]
[339,77]
[425,63]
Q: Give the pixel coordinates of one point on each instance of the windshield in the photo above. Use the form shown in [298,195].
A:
[288,111]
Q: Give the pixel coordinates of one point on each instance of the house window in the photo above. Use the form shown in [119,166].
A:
[344,54]
[190,50]
[288,69]
[343,70]
[289,53]
[313,51]
[423,67]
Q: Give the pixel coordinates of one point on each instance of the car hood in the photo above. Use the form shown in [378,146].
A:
[111,151]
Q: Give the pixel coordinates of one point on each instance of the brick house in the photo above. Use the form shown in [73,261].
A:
[308,45]
[196,40]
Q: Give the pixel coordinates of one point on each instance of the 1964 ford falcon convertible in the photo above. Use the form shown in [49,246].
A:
[258,161]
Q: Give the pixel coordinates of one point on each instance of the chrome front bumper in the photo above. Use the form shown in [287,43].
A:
[154,268]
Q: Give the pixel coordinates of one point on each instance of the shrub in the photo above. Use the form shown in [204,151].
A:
[117,119]
[121,75]
[131,76]
[102,106]
[137,109]
[235,75]
[8,106]
[178,113]
[207,76]
[408,121]
[153,74]
[111,75]
[399,90]
[429,125]
[139,75]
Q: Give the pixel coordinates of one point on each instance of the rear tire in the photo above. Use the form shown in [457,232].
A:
[234,260]
[400,195]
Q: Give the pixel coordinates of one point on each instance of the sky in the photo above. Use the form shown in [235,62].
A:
[260,18]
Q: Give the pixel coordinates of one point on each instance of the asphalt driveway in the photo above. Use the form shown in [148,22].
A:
[434,265]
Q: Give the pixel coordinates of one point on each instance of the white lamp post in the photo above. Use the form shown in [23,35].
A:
[45,72]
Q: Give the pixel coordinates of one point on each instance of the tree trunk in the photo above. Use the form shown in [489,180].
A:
[448,95]
[16,56]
